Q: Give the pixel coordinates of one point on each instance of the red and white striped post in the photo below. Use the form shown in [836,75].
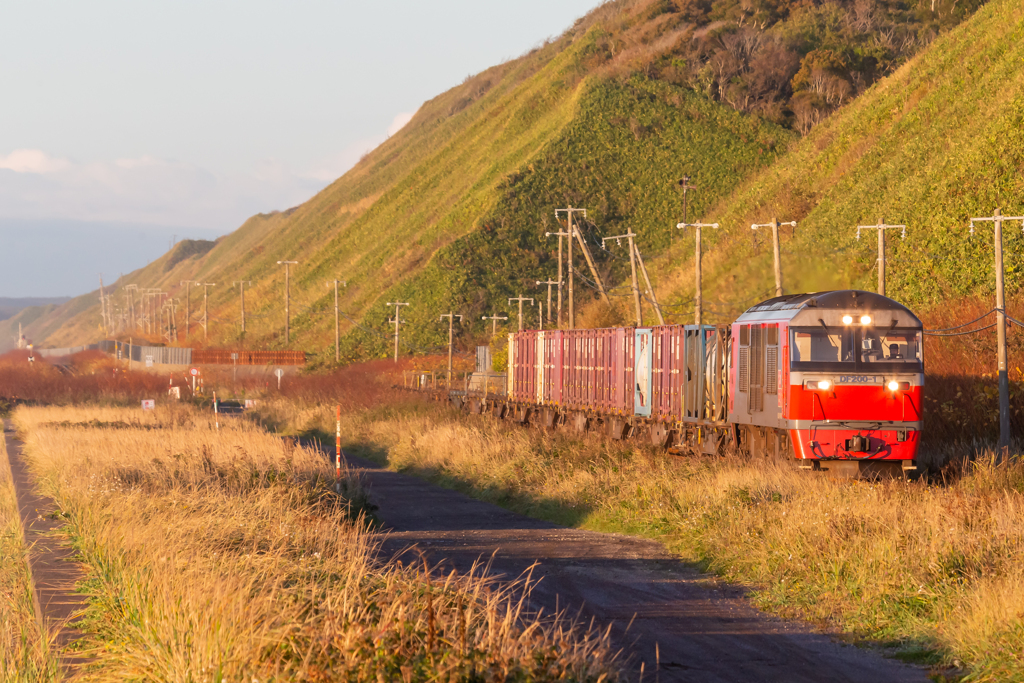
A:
[337,444]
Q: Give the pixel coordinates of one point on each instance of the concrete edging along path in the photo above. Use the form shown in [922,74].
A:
[54,571]
[698,628]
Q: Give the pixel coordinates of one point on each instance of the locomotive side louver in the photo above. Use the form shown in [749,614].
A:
[744,370]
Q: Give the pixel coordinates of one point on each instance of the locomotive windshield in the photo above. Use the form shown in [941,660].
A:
[891,346]
[855,348]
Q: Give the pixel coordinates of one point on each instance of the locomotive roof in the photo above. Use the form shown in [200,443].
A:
[829,307]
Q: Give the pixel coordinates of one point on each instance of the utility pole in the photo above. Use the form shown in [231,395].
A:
[1004,381]
[129,295]
[188,304]
[699,298]
[561,280]
[206,292]
[774,225]
[573,230]
[287,301]
[650,290]
[494,323]
[540,315]
[103,308]
[337,322]
[451,341]
[174,317]
[521,299]
[685,186]
[549,283]
[241,291]
[632,271]
[881,228]
[396,321]
[151,308]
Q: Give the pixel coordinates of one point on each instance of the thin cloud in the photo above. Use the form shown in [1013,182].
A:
[32,161]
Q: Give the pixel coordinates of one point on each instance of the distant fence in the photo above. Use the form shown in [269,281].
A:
[172,355]
[160,355]
[223,357]
[66,350]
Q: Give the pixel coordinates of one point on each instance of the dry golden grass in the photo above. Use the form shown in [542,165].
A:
[935,570]
[226,555]
[25,653]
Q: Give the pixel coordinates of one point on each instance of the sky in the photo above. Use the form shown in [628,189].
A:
[156,119]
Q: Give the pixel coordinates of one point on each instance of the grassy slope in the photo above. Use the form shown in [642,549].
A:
[449,213]
[939,141]
[443,211]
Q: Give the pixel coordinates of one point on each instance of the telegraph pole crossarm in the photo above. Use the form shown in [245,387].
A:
[287,300]
[776,250]
[494,323]
[396,321]
[520,299]
[451,341]
[997,220]
[697,264]
[881,228]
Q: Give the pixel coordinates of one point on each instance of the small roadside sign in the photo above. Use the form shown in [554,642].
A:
[194,372]
[279,373]
[149,361]
[148,404]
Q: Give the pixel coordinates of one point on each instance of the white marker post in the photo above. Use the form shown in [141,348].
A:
[279,373]
[216,413]
[337,443]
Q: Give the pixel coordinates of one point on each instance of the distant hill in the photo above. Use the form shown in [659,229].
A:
[11,306]
[450,213]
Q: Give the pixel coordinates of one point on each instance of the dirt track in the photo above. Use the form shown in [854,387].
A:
[55,572]
[705,631]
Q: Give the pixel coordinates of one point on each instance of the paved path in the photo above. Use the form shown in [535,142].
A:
[705,631]
[51,561]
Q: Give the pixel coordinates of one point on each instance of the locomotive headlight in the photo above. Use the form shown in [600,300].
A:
[824,385]
[847,319]
[894,385]
[865,320]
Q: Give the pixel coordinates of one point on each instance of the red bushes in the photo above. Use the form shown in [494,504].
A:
[79,378]
[962,396]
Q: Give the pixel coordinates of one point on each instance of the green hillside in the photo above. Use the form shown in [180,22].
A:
[938,142]
[450,213]
[444,211]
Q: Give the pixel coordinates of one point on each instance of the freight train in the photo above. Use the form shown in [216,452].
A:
[832,380]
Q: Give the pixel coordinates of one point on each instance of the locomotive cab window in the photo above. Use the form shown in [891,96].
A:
[818,346]
[855,348]
[891,346]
